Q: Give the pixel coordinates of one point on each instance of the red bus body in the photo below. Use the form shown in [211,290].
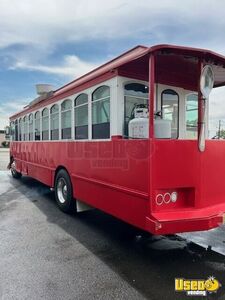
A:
[125,177]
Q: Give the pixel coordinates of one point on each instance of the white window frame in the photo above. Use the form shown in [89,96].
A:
[30,114]
[98,100]
[77,106]
[52,114]
[49,137]
[64,111]
[111,83]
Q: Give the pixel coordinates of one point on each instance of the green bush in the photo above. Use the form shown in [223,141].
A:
[5,144]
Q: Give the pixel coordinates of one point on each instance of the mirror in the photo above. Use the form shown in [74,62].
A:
[206,86]
[7,130]
[206,81]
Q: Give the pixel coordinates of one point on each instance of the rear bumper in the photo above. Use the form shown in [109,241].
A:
[186,221]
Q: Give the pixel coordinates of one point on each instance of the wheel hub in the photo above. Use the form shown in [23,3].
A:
[62,190]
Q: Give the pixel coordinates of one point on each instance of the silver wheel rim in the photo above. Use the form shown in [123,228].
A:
[13,168]
[62,190]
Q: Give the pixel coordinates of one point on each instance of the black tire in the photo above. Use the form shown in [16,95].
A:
[15,174]
[64,192]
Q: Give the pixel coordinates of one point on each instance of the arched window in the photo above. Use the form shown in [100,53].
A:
[45,124]
[16,131]
[12,130]
[20,129]
[31,128]
[134,94]
[191,116]
[81,116]
[25,128]
[37,126]
[66,120]
[54,112]
[170,110]
[101,113]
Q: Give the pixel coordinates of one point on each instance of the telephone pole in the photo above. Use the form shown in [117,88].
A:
[219,131]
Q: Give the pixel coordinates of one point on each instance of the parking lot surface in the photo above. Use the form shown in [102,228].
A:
[4,158]
[45,254]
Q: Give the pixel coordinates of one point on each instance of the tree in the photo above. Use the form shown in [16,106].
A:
[220,134]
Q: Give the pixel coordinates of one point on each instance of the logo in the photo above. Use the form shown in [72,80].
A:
[197,287]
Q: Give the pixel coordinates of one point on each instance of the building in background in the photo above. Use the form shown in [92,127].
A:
[3,123]
[2,136]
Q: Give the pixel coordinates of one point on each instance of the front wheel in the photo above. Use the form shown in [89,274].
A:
[64,192]
[14,173]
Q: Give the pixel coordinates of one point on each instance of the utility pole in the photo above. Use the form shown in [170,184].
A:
[219,131]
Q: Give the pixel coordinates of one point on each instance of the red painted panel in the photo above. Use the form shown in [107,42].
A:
[114,176]
[110,175]
[213,173]
[179,164]
[176,70]
[197,177]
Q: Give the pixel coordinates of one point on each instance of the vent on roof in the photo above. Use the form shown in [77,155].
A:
[44,89]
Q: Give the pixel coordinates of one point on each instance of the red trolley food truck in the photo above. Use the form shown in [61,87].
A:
[131,139]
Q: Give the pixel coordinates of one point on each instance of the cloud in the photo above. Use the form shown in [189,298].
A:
[48,24]
[10,107]
[4,121]
[33,31]
[40,28]
[71,66]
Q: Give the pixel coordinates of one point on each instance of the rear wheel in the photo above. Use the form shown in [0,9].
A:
[14,173]
[64,192]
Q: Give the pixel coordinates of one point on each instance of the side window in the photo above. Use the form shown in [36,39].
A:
[101,113]
[134,94]
[12,130]
[37,126]
[191,115]
[16,131]
[25,128]
[31,127]
[54,113]
[81,117]
[45,124]
[170,110]
[20,129]
[66,120]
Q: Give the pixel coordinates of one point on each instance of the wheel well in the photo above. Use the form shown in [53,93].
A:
[11,159]
[57,170]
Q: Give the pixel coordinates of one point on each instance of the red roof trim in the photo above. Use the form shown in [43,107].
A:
[102,66]
[126,57]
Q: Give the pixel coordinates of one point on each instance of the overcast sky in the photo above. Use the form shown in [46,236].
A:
[55,41]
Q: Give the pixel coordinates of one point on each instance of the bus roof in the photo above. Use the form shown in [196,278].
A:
[109,70]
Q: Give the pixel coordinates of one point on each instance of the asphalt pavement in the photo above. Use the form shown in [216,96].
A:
[4,158]
[46,254]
